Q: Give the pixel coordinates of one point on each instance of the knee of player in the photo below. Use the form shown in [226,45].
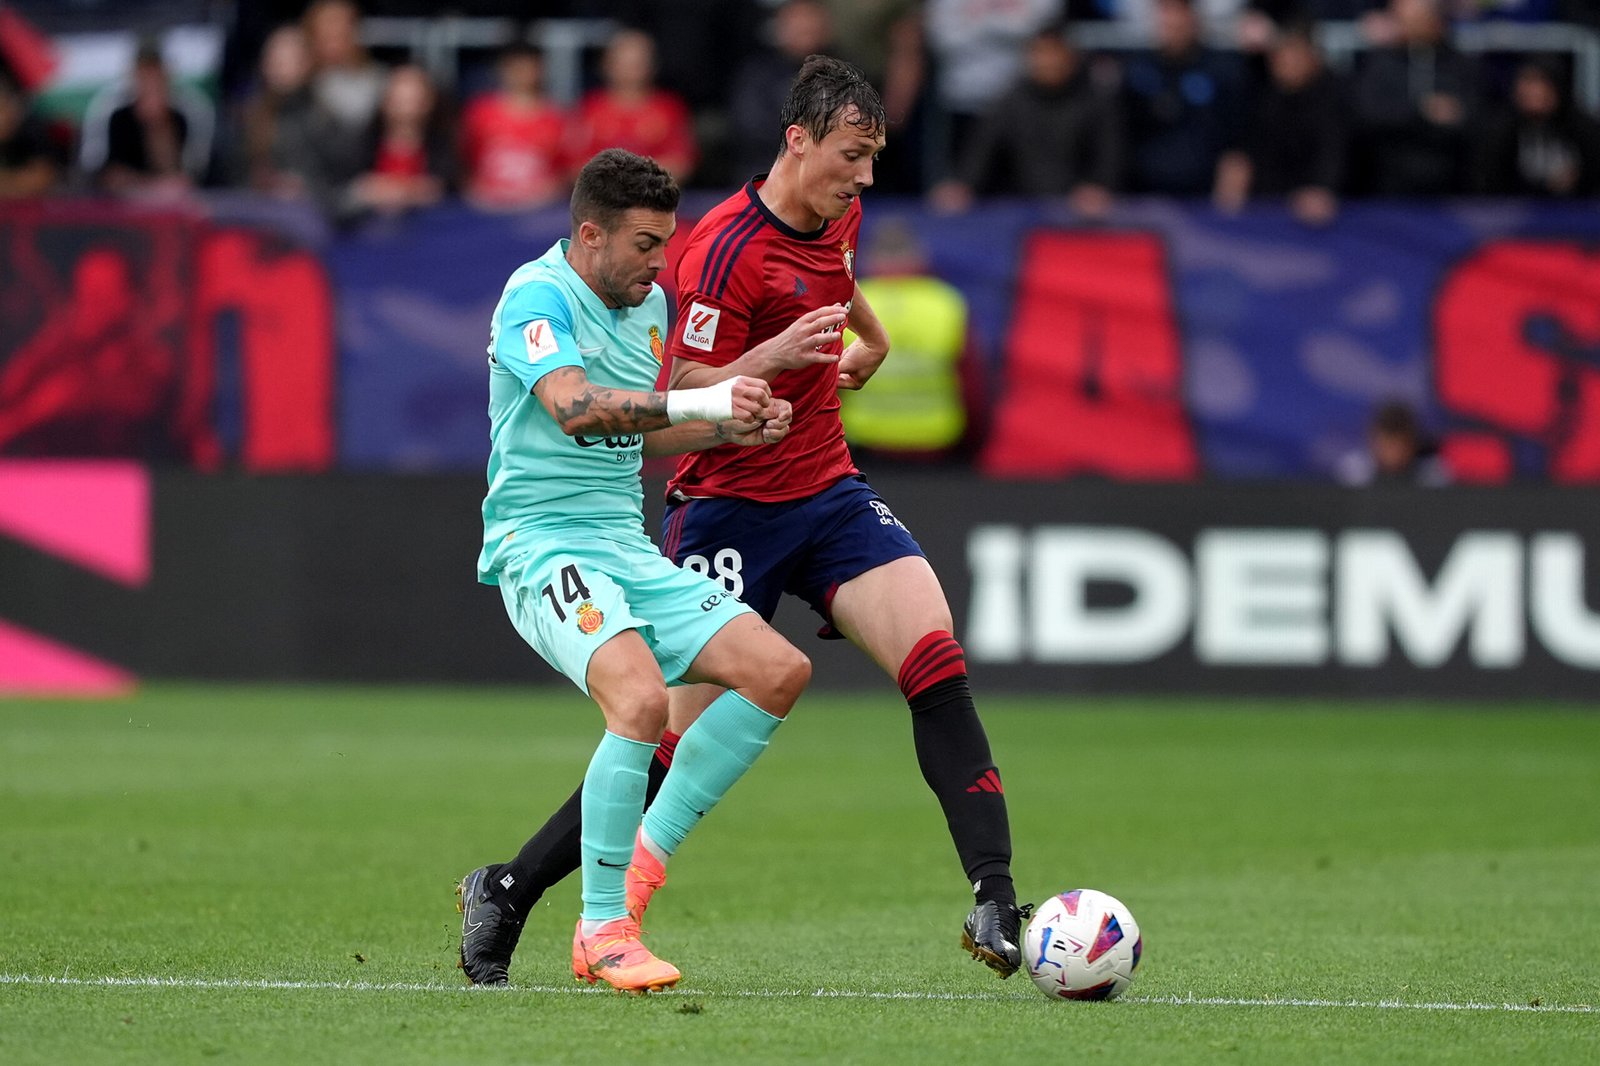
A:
[640,713]
[788,676]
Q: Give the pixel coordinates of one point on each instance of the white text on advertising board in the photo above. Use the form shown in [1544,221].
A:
[1276,597]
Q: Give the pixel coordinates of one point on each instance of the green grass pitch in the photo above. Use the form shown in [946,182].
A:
[266,874]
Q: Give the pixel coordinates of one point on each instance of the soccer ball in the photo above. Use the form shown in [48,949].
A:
[1082,944]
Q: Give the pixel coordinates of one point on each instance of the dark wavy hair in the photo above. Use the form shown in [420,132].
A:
[616,181]
[823,91]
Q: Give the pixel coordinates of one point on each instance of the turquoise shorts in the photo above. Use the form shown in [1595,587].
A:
[567,603]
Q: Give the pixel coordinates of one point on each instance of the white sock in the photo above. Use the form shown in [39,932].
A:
[660,853]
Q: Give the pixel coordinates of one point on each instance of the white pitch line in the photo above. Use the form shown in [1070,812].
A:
[820,993]
[1367,1004]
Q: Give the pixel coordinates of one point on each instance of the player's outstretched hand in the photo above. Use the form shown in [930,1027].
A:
[800,344]
[768,431]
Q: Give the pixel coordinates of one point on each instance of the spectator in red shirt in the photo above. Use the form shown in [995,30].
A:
[512,139]
[410,155]
[630,112]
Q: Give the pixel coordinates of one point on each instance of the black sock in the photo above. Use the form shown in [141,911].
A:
[995,887]
[555,850]
[953,751]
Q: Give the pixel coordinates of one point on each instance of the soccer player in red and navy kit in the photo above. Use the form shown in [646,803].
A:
[778,257]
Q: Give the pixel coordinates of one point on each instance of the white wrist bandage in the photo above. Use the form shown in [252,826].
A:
[714,403]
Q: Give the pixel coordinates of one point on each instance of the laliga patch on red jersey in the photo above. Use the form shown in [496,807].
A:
[700,326]
[540,339]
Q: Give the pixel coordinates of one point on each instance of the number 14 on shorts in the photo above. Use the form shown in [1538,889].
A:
[573,591]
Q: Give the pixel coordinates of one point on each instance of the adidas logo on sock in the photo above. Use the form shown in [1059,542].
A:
[988,781]
[507,881]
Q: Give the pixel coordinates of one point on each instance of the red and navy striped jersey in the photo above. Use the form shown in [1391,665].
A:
[743,278]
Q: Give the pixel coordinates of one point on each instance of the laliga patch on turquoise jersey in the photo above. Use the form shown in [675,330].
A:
[545,487]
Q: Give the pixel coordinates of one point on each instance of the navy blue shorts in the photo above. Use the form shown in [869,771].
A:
[807,548]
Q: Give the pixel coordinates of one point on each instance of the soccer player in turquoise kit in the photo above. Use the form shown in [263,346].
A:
[798,518]
[575,349]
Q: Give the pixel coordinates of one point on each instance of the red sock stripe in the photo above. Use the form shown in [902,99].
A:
[667,748]
[669,543]
[937,657]
[920,651]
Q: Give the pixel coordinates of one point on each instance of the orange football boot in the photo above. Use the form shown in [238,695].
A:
[615,955]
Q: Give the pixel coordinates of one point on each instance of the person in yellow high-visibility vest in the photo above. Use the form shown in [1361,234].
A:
[916,405]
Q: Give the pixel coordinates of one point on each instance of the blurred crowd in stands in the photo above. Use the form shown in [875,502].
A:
[1230,99]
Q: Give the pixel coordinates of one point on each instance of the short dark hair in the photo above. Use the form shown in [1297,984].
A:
[519,50]
[148,55]
[1396,418]
[1298,31]
[615,181]
[822,92]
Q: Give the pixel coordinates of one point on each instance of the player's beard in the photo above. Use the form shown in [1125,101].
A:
[620,291]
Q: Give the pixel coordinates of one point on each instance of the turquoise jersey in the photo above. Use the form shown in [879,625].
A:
[548,490]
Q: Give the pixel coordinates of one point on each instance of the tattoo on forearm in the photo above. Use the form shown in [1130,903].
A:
[576,407]
[615,410]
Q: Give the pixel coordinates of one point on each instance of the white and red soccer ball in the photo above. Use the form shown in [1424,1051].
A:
[1082,944]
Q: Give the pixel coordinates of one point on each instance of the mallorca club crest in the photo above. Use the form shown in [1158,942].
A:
[849,255]
[657,348]
[590,618]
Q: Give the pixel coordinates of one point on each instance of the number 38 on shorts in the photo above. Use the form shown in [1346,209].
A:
[725,565]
